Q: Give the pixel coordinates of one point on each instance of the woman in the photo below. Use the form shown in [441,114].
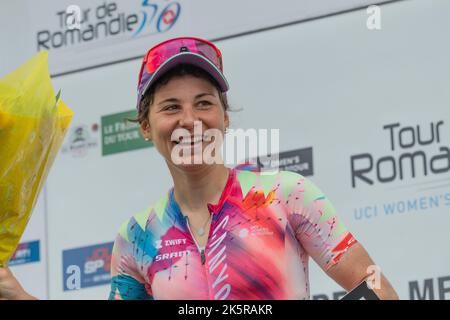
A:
[219,233]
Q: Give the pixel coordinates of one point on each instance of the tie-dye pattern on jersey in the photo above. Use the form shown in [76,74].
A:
[263,231]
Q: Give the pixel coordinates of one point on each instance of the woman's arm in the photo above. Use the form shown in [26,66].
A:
[354,267]
[10,288]
[326,239]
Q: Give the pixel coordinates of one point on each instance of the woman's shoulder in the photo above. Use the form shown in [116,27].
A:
[139,221]
[287,182]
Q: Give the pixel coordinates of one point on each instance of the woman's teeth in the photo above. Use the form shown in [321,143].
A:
[189,142]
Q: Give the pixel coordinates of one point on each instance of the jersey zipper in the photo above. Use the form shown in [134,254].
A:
[201,251]
[203,257]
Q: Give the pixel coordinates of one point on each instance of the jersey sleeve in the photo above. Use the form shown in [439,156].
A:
[315,223]
[127,283]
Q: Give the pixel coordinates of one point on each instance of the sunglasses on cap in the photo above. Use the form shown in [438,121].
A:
[188,50]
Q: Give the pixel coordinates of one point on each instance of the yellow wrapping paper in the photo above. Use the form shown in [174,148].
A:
[33,123]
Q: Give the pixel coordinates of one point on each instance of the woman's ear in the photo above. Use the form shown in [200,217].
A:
[145,130]
[226,120]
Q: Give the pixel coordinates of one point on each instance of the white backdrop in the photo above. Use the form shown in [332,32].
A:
[330,84]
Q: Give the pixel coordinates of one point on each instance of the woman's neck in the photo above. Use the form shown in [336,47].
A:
[193,189]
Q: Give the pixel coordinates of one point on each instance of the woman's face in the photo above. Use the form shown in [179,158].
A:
[177,105]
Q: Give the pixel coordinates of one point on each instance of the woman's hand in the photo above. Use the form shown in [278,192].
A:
[10,288]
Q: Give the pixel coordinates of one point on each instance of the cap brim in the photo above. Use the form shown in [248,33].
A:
[188,58]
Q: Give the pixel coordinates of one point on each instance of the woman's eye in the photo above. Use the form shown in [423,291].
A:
[171,107]
[204,103]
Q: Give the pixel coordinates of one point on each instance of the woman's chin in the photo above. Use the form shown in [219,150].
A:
[193,167]
[192,163]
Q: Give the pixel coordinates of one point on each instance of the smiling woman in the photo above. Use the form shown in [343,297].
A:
[222,233]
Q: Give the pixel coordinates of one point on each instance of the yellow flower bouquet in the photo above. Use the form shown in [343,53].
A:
[33,123]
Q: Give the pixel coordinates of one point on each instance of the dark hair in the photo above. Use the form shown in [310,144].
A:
[180,70]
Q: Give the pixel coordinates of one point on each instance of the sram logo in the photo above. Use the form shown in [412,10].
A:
[171,255]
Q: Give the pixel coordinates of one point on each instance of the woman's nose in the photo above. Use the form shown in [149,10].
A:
[188,117]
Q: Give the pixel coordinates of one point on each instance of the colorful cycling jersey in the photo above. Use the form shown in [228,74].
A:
[263,230]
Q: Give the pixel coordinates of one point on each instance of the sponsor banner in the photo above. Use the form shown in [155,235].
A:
[81,139]
[298,160]
[417,150]
[87,266]
[414,164]
[85,33]
[119,135]
[26,252]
